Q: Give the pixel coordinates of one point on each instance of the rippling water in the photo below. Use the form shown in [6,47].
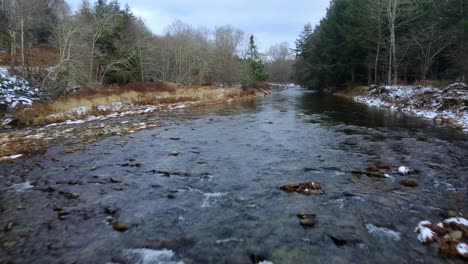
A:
[221,202]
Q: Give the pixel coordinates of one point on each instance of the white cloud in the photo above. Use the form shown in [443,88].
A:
[272,21]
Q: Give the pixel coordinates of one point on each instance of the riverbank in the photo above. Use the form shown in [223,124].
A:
[100,113]
[442,105]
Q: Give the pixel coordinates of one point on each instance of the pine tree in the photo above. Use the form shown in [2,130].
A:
[256,67]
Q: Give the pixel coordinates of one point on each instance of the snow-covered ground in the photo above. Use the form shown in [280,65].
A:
[449,104]
[15,91]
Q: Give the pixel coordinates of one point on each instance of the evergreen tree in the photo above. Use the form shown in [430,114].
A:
[256,67]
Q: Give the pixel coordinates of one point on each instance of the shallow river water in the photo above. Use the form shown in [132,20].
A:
[218,201]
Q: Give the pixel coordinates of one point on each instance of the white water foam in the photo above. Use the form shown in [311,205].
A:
[151,256]
[211,199]
[383,232]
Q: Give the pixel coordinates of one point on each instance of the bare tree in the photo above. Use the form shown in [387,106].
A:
[280,62]
[11,11]
[103,21]
[431,41]
[399,13]
[225,63]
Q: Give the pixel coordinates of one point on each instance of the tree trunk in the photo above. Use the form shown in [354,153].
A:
[13,51]
[376,64]
[22,42]
[91,62]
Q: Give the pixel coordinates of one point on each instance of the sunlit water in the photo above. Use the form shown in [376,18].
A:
[221,202]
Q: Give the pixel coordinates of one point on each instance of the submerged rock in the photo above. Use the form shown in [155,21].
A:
[306,188]
[120,226]
[409,183]
[306,220]
[8,227]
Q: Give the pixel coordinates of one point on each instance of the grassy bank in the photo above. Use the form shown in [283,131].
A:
[97,104]
[50,119]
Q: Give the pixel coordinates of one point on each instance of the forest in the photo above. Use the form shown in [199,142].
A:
[385,42]
[104,43]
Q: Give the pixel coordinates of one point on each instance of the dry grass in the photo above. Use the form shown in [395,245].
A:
[352,92]
[99,102]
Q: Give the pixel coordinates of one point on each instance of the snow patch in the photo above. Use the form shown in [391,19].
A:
[426,235]
[12,157]
[457,220]
[462,249]
[403,170]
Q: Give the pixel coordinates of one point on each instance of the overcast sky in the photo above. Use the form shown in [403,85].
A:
[271,21]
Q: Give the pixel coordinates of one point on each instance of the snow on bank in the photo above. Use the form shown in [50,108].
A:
[119,109]
[447,104]
[15,91]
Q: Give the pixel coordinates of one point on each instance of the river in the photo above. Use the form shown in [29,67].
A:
[218,201]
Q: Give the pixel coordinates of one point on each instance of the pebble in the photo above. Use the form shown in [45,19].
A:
[72,196]
[457,234]
[110,210]
[57,207]
[8,227]
[174,153]
[307,222]
[120,226]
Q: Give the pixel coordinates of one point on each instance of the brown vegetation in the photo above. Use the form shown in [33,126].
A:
[134,96]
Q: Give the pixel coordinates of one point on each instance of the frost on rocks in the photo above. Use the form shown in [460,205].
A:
[426,235]
[16,91]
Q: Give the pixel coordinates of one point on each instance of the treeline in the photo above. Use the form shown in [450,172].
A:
[385,42]
[104,43]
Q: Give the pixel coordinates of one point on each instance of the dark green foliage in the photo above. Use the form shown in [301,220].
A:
[343,49]
[255,66]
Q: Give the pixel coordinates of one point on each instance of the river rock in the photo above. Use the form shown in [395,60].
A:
[8,227]
[457,234]
[306,188]
[306,220]
[120,226]
[110,210]
[375,174]
[57,207]
[409,183]
[72,196]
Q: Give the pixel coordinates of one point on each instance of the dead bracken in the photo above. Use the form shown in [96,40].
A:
[451,234]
